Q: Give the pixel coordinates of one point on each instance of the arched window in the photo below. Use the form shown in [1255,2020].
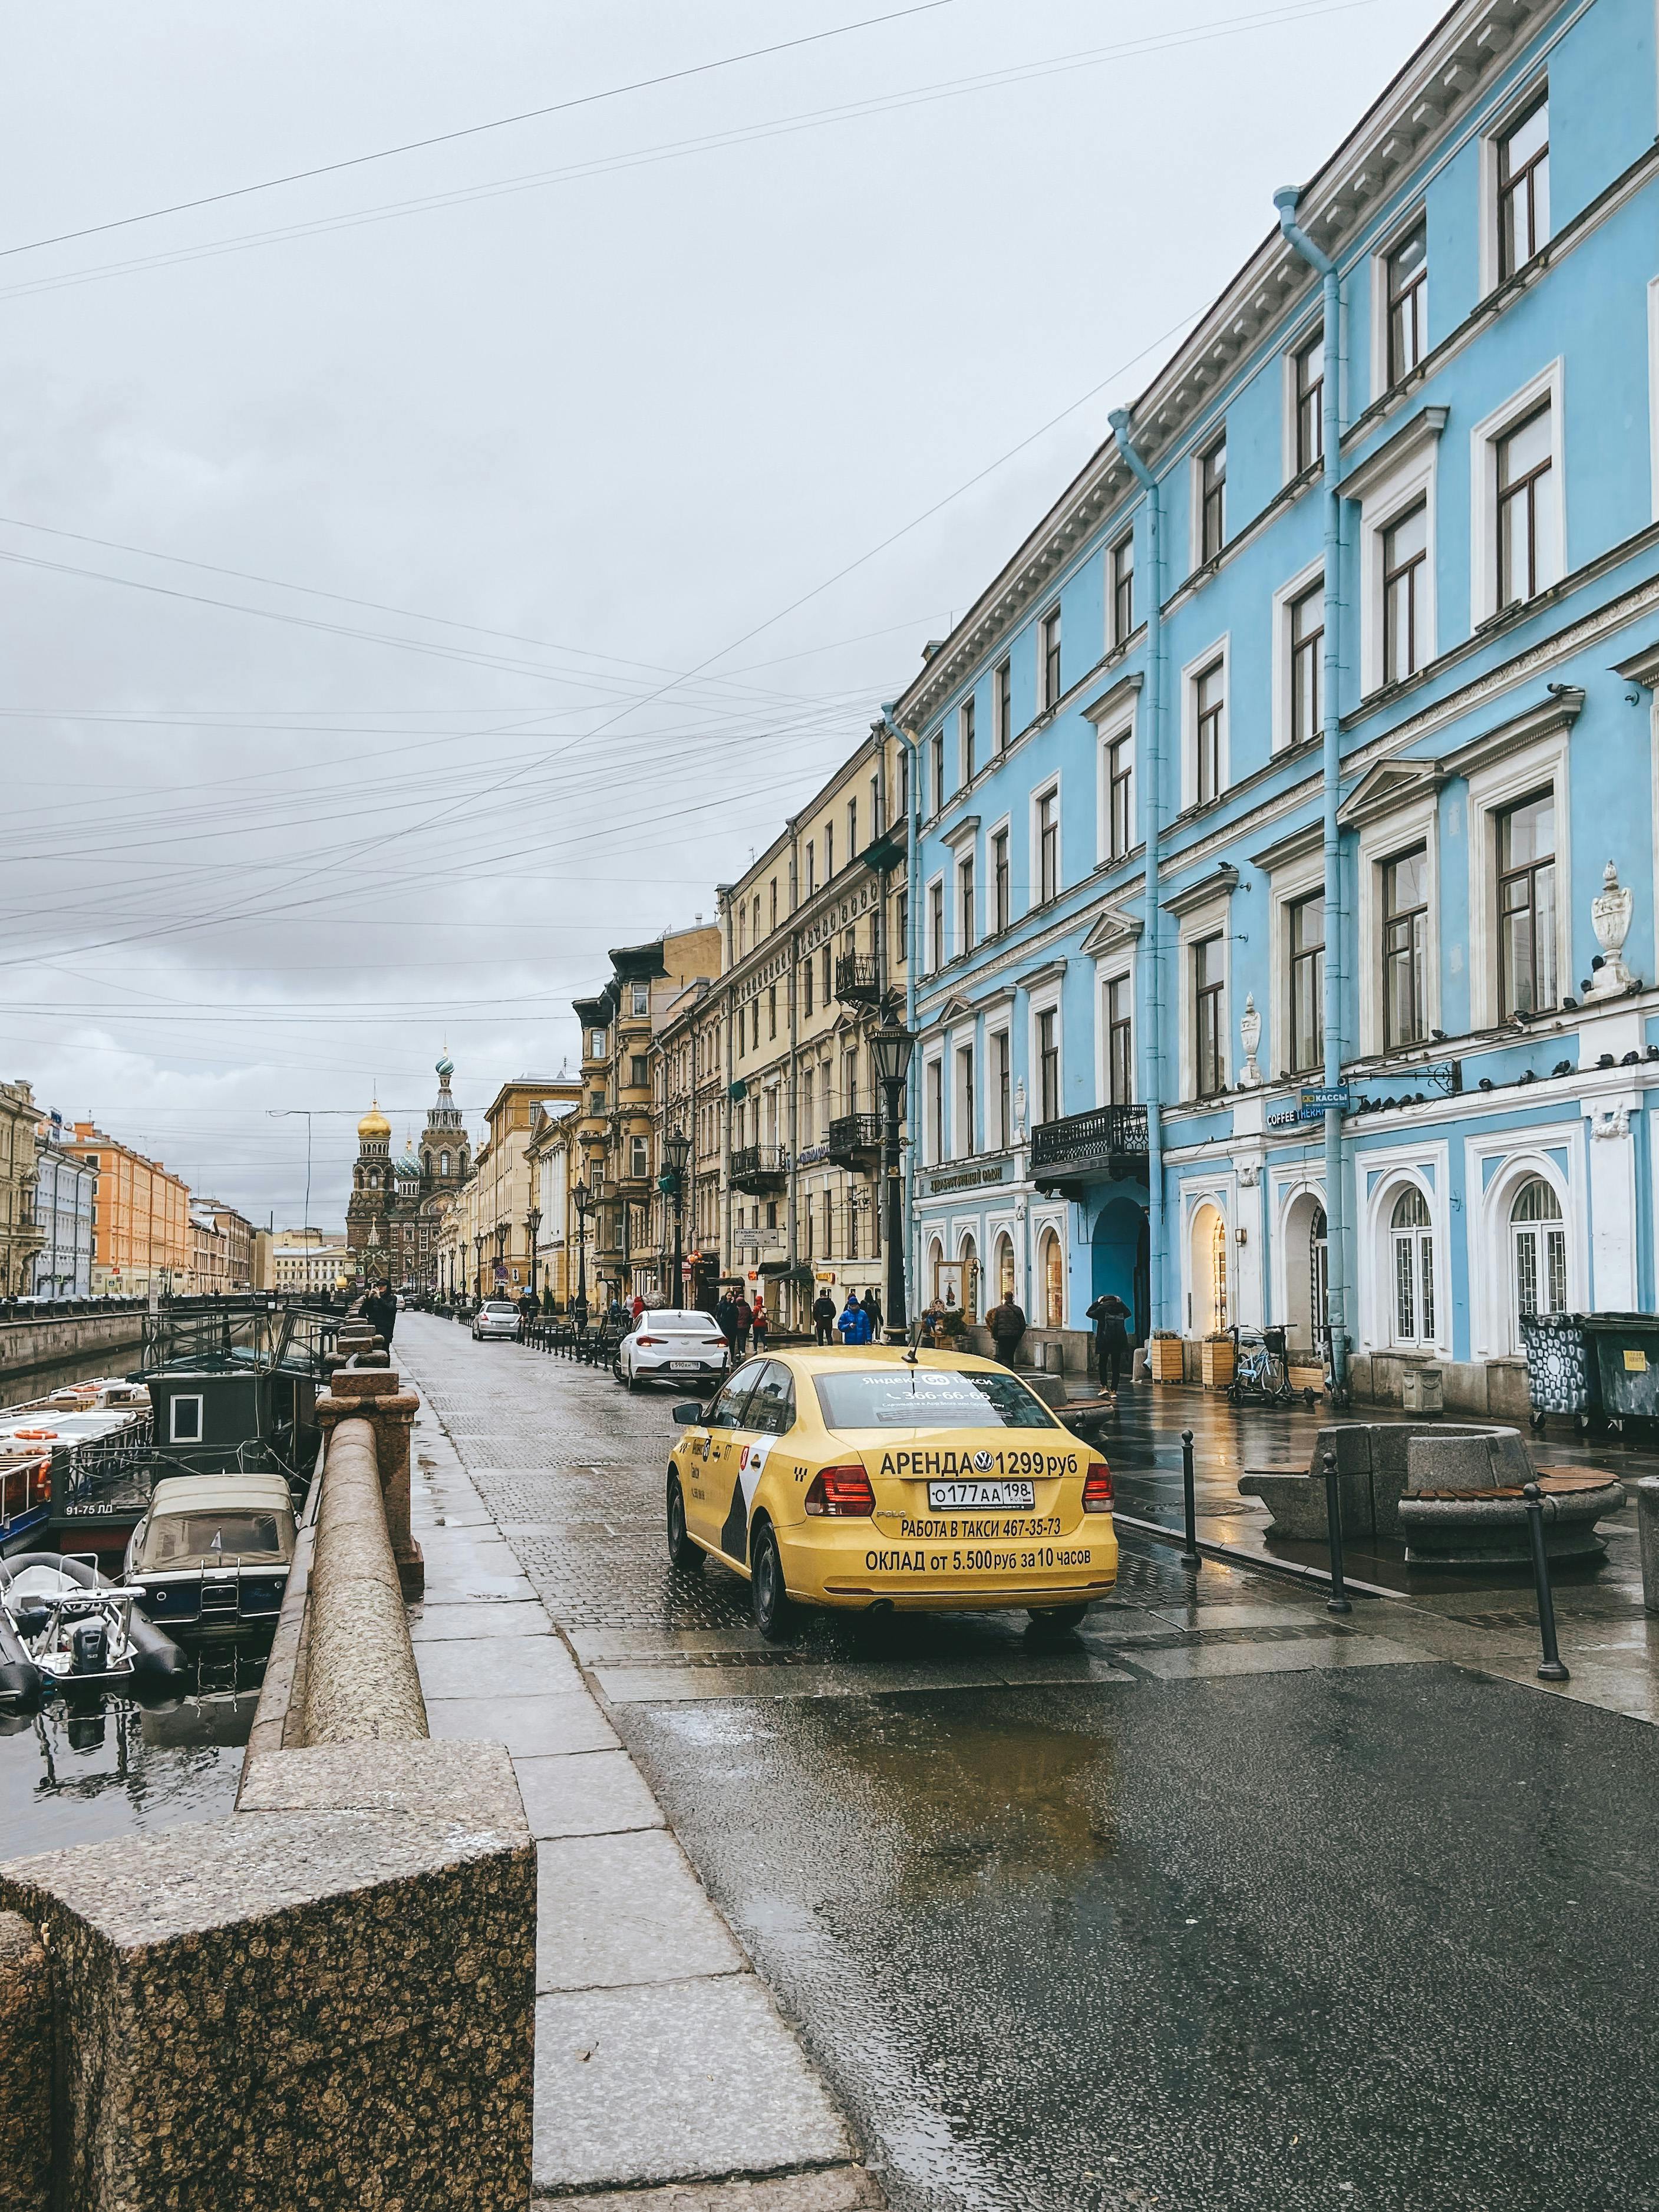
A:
[443,1164]
[1052,1270]
[1414,1268]
[935,1263]
[1319,1276]
[969,1278]
[1005,1268]
[1538,1245]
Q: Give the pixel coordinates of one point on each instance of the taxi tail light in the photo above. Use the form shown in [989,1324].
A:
[1097,1487]
[641,1340]
[840,1493]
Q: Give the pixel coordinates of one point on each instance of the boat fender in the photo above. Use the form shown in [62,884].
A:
[21,1682]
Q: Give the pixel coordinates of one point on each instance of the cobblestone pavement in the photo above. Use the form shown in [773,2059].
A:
[1228,1904]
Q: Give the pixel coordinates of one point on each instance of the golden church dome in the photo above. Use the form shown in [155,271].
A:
[374,1123]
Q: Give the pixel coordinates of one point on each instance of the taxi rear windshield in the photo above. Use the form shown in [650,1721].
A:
[928,1398]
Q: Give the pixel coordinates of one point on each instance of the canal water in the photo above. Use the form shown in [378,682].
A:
[18,1388]
[98,1766]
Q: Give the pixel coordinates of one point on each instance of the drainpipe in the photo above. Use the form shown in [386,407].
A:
[912,1096]
[1336,1245]
[1151,802]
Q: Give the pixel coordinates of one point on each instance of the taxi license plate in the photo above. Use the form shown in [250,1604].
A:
[967,1497]
[691,1365]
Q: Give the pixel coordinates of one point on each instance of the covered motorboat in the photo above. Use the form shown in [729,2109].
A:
[63,1628]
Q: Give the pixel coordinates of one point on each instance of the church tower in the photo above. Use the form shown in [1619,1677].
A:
[373,1190]
[446,1157]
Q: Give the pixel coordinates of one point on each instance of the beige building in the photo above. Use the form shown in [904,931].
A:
[500,1194]
[314,1266]
[210,1255]
[141,1225]
[21,1233]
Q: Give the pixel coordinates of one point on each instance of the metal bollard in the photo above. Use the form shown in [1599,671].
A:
[1339,1601]
[1189,1557]
[1552,1670]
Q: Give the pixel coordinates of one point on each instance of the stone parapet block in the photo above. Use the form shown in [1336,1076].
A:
[327,1999]
[1647,1531]
[393,1414]
[361,1682]
[25,2068]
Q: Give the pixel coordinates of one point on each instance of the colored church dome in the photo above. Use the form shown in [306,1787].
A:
[373,1124]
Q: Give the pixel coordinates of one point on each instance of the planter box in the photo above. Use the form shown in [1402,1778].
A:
[1216,1365]
[1308,1376]
[1166,1359]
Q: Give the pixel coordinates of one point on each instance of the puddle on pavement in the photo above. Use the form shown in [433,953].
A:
[87,1768]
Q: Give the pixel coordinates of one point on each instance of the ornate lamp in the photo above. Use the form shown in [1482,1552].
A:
[891,1048]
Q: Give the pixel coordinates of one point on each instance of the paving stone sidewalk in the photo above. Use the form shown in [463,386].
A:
[660,2056]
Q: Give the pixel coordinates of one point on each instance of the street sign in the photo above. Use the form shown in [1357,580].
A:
[1325,1098]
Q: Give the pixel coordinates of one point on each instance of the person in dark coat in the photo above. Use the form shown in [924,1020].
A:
[1006,1323]
[529,1308]
[380,1312]
[1111,1319]
[823,1318]
[872,1307]
[742,1321]
[726,1318]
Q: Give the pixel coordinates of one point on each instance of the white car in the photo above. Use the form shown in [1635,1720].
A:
[670,1345]
[495,1317]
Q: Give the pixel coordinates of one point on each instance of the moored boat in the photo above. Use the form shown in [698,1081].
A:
[66,1628]
[210,1559]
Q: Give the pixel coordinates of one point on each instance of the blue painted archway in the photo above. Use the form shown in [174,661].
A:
[1122,1261]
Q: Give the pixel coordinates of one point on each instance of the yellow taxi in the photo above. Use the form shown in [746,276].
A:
[871,1477]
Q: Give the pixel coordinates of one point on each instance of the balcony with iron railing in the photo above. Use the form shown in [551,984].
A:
[760,1170]
[1107,1144]
[858,979]
[854,1140]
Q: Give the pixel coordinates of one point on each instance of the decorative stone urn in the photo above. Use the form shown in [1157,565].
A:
[1610,917]
[1249,1036]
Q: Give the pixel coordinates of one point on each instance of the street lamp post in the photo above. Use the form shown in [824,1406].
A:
[533,1222]
[478,1265]
[892,1046]
[586,1207]
[677,1151]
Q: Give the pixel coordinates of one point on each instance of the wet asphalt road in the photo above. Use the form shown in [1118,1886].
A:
[1378,1934]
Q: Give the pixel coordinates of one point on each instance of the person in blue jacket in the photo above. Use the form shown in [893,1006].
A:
[854,1322]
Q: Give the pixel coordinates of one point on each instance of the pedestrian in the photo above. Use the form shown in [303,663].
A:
[854,1322]
[757,1321]
[1006,1322]
[743,1315]
[529,1308]
[872,1307]
[1110,1317]
[933,1322]
[637,1308]
[823,1318]
[380,1311]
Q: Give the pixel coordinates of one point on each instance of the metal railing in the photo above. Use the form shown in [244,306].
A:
[1109,1137]
[858,979]
[760,1166]
[853,1138]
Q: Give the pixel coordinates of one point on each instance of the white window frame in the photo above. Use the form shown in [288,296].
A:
[1213,918]
[174,1436]
[967,712]
[1121,729]
[1046,999]
[1295,880]
[963,1142]
[1002,826]
[1490,791]
[933,1140]
[1048,788]
[1111,968]
[1003,1029]
[1653,390]
[1522,1154]
[1379,844]
[1524,97]
[1219,649]
[1217,434]
[1385,247]
[1381,1175]
[1549,384]
[1283,600]
[967,856]
[1305,336]
[936,954]
[1382,506]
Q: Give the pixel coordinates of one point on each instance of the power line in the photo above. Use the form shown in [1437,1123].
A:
[476,129]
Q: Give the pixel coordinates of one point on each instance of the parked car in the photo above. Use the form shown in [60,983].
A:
[672,1346]
[495,1317]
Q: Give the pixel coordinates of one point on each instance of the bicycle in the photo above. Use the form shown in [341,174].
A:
[1262,1373]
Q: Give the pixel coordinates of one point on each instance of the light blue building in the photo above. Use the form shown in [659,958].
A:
[1311,738]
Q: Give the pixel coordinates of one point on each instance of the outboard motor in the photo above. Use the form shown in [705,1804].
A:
[89,1645]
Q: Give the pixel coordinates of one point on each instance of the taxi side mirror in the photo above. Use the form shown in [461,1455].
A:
[687,1417]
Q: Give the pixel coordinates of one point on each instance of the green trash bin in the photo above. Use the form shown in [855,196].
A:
[1625,1347]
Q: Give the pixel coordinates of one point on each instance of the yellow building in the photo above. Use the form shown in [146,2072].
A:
[501,1193]
[141,1225]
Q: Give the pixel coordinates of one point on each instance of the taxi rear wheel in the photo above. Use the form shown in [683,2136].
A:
[682,1553]
[1057,1620]
[773,1606]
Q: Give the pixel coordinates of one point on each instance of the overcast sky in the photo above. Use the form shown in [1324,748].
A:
[522,445]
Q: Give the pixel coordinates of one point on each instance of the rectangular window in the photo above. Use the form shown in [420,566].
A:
[965,731]
[811,868]
[829,850]
[1405,940]
[904,782]
[1307,925]
[1003,1059]
[1406,272]
[1308,368]
[826,974]
[1213,500]
[596,1044]
[1120,797]
[772,1010]
[1526,906]
[185,1425]
[1002,682]
[964,1131]
[1123,589]
[1405,584]
[936,749]
[639,1071]
[1209,706]
[999,908]
[1209,1018]
[1528,558]
[1306,616]
[1047,832]
[642,991]
[1120,1043]
[1523,189]
[852,828]
[806,988]
[773,892]
[965,904]
[1051,657]
[636,1162]
[1047,1044]
[902,923]
[936,924]
[935,1105]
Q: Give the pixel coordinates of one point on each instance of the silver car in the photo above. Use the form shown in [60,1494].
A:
[672,1345]
[495,1317]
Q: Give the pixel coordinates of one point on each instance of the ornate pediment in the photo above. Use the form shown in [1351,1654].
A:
[1112,928]
[1385,789]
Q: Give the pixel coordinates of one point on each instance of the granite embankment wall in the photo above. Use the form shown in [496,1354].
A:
[26,1347]
[329,1997]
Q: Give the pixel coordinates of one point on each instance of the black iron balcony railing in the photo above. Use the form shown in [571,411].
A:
[758,1168]
[854,1139]
[1109,1142]
[858,980]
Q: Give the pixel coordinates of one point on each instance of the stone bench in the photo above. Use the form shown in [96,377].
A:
[1483,1528]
